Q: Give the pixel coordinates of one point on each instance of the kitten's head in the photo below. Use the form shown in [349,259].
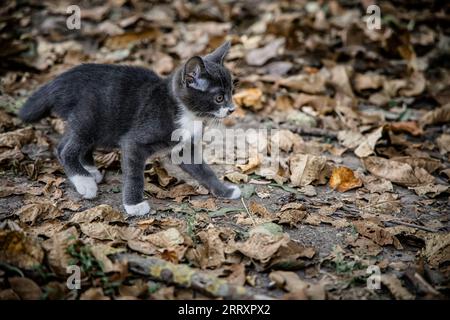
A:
[205,86]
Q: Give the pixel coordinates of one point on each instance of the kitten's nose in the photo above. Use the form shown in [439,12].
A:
[231,110]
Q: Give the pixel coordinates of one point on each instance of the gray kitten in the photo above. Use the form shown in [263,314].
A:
[135,110]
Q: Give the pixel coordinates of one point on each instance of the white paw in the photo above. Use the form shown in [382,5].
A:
[93,171]
[85,186]
[137,209]
[236,194]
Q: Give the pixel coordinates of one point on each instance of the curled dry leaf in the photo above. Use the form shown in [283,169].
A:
[376,233]
[209,204]
[343,179]
[395,287]
[298,289]
[179,192]
[291,213]
[236,177]
[431,190]
[363,246]
[285,140]
[212,251]
[305,168]
[253,163]
[17,137]
[260,210]
[57,247]
[437,116]
[19,250]
[397,172]
[377,185]
[312,84]
[429,164]
[249,98]
[259,56]
[25,288]
[261,246]
[437,249]
[102,212]
[107,160]
[44,211]
[411,127]
[367,146]
[101,251]
[94,294]
[443,142]
[165,239]
[103,231]
[367,81]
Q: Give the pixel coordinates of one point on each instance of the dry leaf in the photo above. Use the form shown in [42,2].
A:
[19,250]
[94,294]
[43,211]
[57,247]
[252,164]
[18,137]
[343,179]
[376,233]
[102,212]
[397,172]
[249,98]
[411,127]
[437,116]
[298,289]
[165,239]
[260,210]
[25,288]
[367,146]
[395,287]
[209,204]
[437,249]
[211,253]
[305,168]
[259,56]
[236,177]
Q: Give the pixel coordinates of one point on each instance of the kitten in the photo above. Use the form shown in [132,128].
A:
[135,110]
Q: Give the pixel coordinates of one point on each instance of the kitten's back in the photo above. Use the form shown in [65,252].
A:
[84,85]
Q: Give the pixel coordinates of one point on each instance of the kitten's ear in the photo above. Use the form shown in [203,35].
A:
[220,53]
[193,69]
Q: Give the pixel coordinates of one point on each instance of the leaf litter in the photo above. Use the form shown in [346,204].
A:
[362,178]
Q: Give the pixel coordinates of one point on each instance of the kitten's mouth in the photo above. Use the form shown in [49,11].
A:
[223,112]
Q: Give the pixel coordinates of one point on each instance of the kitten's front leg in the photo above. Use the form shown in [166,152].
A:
[133,165]
[204,174]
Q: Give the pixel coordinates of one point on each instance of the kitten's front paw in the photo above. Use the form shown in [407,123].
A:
[137,209]
[230,192]
[94,172]
[85,185]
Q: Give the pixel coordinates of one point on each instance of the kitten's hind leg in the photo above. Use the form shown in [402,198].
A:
[133,165]
[87,161]
[69,156]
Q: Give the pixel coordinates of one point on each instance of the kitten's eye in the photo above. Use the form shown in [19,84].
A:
[219,98]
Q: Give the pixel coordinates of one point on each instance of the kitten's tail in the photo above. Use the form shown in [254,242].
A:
[38,105]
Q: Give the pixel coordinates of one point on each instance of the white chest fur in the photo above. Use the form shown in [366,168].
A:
[190,125]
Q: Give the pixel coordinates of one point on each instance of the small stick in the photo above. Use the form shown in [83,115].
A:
[412,225]
[248,212]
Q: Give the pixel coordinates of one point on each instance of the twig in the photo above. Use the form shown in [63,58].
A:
[412,225]
[317,132]
[248,212]
[187,277]
[425,284]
